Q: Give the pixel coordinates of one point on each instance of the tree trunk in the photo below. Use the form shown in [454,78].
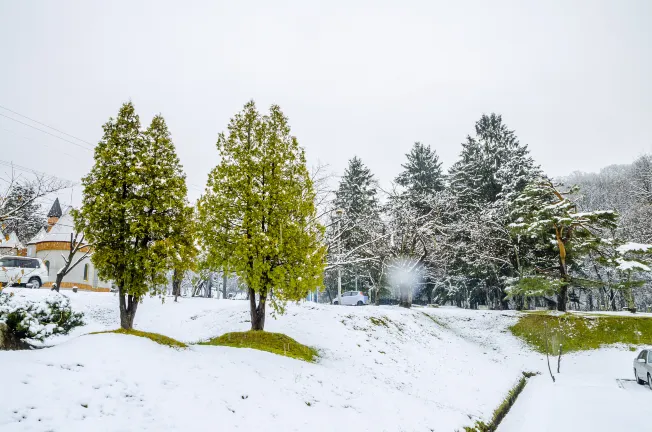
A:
[405,300]
[176,285]
[562,296]
[10,342]
[57,284]
[257,311]
[128,306]
[225,279]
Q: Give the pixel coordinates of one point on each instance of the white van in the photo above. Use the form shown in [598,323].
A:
[17,270]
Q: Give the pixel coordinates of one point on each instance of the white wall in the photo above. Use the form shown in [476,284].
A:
[76,275]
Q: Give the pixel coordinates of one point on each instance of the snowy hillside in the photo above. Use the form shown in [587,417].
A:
[380,369]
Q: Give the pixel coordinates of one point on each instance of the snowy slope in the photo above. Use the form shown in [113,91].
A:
[406,372]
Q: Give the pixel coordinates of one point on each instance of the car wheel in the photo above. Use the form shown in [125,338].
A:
[649,381]
[36,284]
[359,303]
[336,303]
[638,380]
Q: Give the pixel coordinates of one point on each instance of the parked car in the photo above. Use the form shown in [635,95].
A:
[17,270]
[643,368]
[353,298]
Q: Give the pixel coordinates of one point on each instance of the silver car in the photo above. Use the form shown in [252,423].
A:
[643,368]
[353,298]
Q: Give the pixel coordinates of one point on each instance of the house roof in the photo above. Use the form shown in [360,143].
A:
[38,236]
[12,242]
[55,211]
[61,230]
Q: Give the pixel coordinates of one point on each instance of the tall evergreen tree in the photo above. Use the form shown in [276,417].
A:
[134,200]
[258,216]
[356,232]
[492,171]
[492,165]
[422,174]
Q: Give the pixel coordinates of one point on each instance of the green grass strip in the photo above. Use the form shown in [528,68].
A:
[158,338]
[276,343]
[581,332]
[503,408]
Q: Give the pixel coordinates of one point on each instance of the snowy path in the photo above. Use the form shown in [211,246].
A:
[594,392]
[407,373]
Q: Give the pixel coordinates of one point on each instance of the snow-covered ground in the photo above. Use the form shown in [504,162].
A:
[595,392]
[416,370]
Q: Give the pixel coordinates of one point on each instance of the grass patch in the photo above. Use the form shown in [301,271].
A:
[504,407]
[379,321]
[158,338]
[276,343]
[435,320]
[581,332]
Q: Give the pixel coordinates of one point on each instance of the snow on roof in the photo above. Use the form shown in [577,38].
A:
[11,242]
[634,247]
[37,238]
[61,230]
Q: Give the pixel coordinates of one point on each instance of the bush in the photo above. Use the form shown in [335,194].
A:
[37,320]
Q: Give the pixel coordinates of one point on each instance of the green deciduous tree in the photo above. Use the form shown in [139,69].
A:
[134,202]
[258,217]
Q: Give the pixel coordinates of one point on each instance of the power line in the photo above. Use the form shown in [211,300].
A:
[25,169]
[50,127]
[29,139]
[46,132]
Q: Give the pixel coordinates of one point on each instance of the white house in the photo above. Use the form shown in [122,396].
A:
[10,245]
[52,244]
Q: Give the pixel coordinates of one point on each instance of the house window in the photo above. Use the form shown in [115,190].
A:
[85,272]
[47,265]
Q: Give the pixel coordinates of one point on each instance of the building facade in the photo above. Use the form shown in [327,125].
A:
[53,243]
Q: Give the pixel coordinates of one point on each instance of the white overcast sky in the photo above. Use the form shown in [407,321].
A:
[573,78]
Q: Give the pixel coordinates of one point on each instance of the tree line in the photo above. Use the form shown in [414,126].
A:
[494,230]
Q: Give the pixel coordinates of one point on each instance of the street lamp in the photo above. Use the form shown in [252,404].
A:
[339,212]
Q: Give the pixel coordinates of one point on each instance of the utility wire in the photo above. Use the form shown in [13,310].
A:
[46,132]
[49,127]
[25,169]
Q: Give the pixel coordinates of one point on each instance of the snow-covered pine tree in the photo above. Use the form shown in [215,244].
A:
[25,215]
[354,237]
[422,175]
[258,216]
[563,235]
[492,165]
[134,199]
[492,171]
[421,180]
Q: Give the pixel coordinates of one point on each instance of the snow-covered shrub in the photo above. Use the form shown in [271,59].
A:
[29,319]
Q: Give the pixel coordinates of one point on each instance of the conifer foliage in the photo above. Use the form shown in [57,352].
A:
[133,206]
[562,232]
[258,216]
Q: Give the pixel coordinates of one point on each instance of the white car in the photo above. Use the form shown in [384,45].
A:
[17,270]
[643,368]
[353,298]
